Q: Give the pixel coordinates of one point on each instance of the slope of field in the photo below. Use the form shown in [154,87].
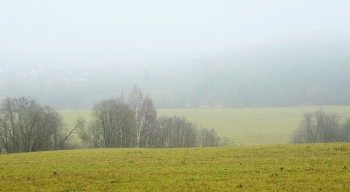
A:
[243,126]
[309,167]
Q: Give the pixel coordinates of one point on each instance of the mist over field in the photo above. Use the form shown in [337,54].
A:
[72,54]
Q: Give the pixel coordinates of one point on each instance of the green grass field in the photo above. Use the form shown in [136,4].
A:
[243,126]
[265,163]
[307,167]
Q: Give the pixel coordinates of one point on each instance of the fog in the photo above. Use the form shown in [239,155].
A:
[71,54]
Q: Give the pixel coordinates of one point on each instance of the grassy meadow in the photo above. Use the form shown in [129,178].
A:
[307,167]
[243,126]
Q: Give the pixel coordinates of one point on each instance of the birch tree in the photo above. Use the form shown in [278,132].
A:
[144,114]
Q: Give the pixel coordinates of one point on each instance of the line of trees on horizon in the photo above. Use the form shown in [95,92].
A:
[133,122]
[26,126]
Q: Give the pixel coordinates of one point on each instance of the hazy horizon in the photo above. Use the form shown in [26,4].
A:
[172,40]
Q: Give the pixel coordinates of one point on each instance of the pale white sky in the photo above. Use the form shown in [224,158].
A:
[155,31]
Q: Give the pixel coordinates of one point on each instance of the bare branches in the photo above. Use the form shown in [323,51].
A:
[320,127]
[79,124]
[26,126]
[208,138]
[144,115]
[112,125]
[135,124]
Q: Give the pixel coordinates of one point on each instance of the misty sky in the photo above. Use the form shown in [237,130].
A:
[157,32]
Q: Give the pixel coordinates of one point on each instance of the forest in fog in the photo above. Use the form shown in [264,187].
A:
[282,74]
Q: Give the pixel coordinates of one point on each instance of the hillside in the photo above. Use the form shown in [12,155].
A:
[293,73]
[312,167]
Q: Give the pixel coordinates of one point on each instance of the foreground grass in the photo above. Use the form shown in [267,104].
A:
[313,167]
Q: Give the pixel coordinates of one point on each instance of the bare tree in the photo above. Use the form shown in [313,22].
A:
[150,122]
[346,130]
[9,133]
[28,113]
[112,124]
[50,128]
[92,135]
[105,113]
[26,126]
[306,132]
[19,120]
[175,132]
[144,114]
[327,127]
[208,138]
[78,125]
[318,127]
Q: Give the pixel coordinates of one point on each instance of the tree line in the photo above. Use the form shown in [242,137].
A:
[321,127]
[26,126]
[133,122]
